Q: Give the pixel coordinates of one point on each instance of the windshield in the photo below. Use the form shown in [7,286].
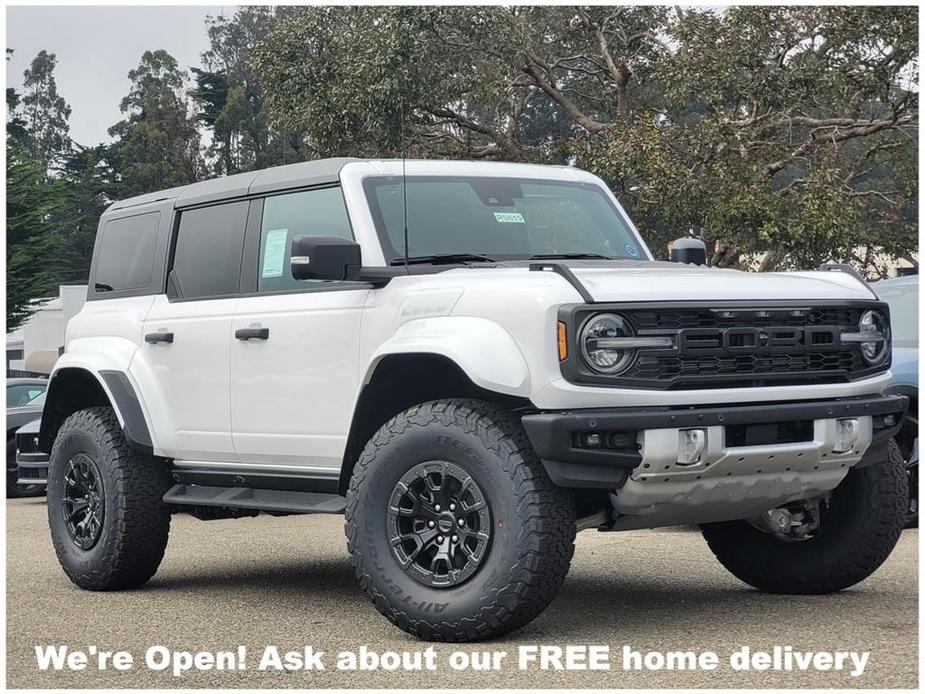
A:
[500,218]
[903,300]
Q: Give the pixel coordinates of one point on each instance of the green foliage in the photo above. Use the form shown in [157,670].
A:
[86,188]
[157,145]
[786,134]
[45,112]
[33,201]
[231,99]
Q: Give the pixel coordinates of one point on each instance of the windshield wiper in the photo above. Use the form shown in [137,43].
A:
[572,256]
[444,258]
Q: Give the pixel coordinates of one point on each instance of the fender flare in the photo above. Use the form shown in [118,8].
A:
[115,385]
[485,351]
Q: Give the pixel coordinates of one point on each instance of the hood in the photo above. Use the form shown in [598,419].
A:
[672,282]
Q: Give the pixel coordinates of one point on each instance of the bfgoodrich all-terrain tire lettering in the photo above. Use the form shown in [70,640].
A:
[125,547]
[531,526]
[863,524]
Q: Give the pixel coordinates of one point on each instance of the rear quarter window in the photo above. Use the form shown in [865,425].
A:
[125,259]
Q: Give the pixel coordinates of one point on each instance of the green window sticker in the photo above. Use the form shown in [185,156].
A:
[509,217]
[274,252]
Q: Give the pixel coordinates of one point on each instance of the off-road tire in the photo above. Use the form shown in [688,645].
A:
[13,490]
[135,522]
[532,522]
[866,518]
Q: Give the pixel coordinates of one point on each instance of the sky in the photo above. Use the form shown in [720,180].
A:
[96,47]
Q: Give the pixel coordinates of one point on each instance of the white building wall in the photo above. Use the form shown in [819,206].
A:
[44,331]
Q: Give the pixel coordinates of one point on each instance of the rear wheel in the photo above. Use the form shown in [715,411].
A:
[455,530]
[823,545]
[108,523]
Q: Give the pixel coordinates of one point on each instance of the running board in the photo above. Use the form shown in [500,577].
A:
[269,500]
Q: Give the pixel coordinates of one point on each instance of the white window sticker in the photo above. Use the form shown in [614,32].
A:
[509,217]
[274,252]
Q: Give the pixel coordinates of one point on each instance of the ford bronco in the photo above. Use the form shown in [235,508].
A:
[471,361]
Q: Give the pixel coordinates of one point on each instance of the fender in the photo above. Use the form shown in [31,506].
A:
[107,363]
[485,352]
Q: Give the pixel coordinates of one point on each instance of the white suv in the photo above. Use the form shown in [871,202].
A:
[472,361]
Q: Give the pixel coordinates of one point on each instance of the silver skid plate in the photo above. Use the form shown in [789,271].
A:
[729,482]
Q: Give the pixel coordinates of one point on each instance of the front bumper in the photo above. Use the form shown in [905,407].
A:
[32,468]
[31,463]
[643,441]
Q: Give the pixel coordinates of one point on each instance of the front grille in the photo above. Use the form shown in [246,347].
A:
[735,346]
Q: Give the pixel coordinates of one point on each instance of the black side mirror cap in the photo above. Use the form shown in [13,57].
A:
[324,258]
[689,250]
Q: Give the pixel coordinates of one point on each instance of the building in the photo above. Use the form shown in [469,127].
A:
[35,346]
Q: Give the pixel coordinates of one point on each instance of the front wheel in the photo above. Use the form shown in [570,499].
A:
[455,530]
[823,545]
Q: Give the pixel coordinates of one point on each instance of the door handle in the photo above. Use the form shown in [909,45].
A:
[252,334]
[152,338]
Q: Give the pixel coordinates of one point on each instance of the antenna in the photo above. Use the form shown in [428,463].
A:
[404,177]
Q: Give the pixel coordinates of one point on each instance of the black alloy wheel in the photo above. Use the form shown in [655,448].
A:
[439,524]
[83,503]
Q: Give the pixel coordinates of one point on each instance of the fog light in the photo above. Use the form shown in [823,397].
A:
[691,443]
[846,435]
[590,440]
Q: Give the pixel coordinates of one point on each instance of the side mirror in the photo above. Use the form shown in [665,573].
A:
[689,250]
[324,258]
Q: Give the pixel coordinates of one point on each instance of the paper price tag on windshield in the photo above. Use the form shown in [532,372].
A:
[274,252]
[509,217]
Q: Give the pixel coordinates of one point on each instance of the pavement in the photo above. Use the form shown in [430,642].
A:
[287,582]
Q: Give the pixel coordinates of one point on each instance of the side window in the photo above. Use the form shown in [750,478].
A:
[126,253]
[319,212]
[16,396]
[207,255]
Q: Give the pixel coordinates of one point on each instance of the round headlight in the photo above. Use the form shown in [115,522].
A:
[594,339]
[875,351]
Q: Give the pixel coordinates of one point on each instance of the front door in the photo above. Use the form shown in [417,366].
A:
[294,361]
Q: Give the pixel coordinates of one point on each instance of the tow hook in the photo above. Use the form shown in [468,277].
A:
[796,521]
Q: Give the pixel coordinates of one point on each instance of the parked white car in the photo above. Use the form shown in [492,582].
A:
[472,361]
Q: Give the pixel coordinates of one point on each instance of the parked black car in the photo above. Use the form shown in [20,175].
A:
[25,401]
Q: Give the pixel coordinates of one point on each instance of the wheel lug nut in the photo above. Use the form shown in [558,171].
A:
[437,508]
[452,507]
[430,524]
[455,538]
[460,522]
[439,538]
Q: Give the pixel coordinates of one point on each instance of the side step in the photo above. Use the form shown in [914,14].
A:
[269,500]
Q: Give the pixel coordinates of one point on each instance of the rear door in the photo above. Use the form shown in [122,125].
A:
[295,379]
[187,332]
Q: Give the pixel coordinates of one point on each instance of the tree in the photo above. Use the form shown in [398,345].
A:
[86,189]
[786,133]
[231,98]
[32,203]
[46,113]
[15,125]
[157,144]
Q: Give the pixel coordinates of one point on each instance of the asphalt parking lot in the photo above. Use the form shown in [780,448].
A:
[287,582]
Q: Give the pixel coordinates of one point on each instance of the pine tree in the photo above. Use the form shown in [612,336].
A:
[157,144]
[46,112]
